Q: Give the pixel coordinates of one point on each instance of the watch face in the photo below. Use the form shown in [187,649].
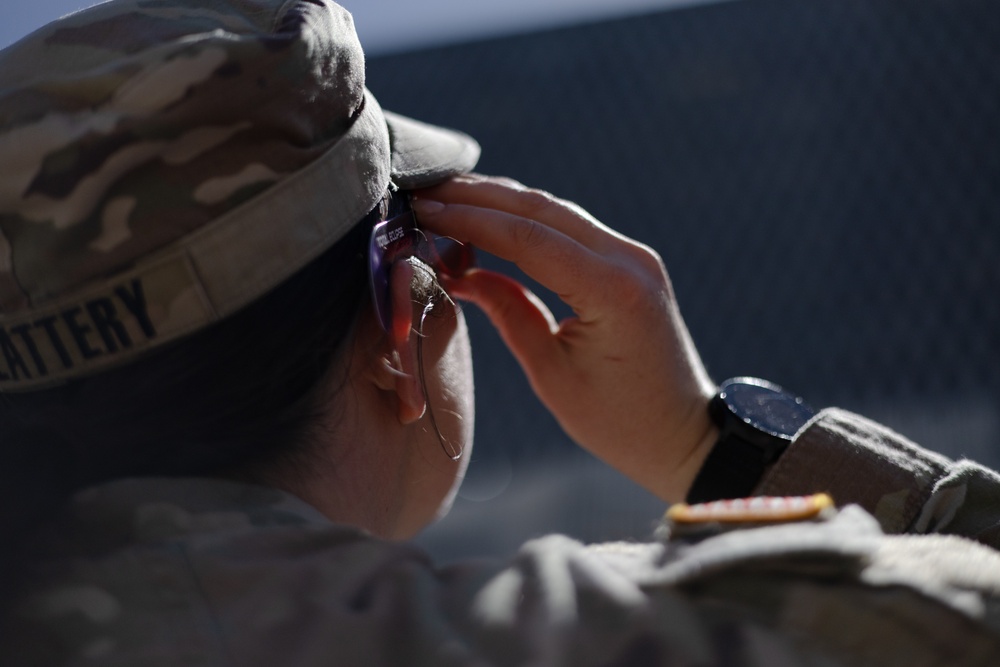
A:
[766,407]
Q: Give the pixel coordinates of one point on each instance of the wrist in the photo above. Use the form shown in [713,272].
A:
[695,461]
[700,437]
[756,421]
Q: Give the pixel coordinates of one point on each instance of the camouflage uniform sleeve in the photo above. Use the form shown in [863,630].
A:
[907,488]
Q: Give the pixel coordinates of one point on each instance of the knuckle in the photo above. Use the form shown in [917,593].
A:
[641,278]
[642,260]
[629,289]
[504,309]
[528,235]
[509,182]
[537,203]
[649,259]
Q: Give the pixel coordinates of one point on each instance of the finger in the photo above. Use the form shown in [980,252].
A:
[555,260]
[524,323]
[506,195]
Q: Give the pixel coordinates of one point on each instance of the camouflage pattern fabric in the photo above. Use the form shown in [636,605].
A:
[207,572]
[164,162]
[907,488]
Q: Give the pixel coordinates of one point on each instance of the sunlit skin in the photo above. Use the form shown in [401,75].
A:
[622,376]
[381,465]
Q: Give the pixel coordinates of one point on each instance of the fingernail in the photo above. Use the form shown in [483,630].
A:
[426,206]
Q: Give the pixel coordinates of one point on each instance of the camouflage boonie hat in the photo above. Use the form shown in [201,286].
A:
[165,162]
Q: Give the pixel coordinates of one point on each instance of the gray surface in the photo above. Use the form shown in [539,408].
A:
[822,179]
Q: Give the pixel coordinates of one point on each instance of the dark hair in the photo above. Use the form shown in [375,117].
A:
[243,390]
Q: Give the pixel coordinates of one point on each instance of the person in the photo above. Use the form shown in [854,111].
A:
[237,379]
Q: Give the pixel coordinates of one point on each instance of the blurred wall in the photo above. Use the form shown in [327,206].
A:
[822,179]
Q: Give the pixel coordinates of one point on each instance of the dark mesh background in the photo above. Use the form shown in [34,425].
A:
[822,178]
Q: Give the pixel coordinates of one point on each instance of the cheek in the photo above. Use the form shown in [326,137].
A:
[458,385]
[452,398]
[456,416]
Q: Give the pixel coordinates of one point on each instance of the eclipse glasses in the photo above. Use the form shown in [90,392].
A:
[399,237]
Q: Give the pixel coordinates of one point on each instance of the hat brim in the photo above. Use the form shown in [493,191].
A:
[423,155]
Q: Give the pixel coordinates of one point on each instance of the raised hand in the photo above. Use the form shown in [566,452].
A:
[622,375]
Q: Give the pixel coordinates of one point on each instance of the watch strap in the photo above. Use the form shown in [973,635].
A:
[732,470]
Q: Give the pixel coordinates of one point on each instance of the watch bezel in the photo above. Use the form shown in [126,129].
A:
[748,440]
[745,407]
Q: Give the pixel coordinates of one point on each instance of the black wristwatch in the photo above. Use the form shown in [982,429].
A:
[757,420]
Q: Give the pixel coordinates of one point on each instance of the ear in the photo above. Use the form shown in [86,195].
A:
[399,370]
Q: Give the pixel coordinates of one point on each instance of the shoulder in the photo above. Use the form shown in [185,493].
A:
[259,584]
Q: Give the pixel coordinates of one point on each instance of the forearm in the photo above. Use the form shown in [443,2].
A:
[907,488]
